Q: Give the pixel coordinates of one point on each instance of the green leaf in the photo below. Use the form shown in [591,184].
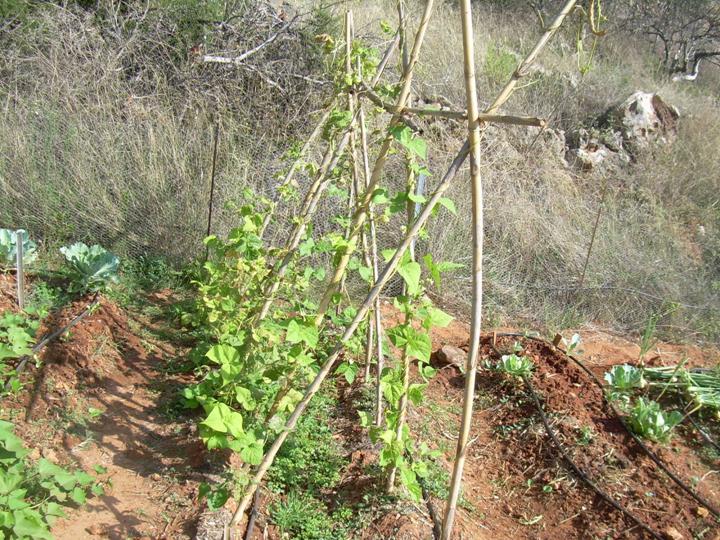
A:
[448,204]
[244,397]
[216,419]
[29,524]
[379,196]
[416,198]
[349,370]
[234,424]
[416,344]
[78,495]
[366,273]
[415,393]
[405,137]
[253,453]
[300,331]
[54,509]
[409,480]
[410,272]
[434,317]
[223,354]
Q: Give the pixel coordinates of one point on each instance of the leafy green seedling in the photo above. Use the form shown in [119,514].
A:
[648,420]
[91,268]
[624,378]
[515,366]
[8,247]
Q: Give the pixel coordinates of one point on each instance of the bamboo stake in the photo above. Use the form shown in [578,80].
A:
[372,295]
[353,188]
[452,115]
[473,142]
[361,213]
[410,186]
[410,175]
[477,223]
[377,314]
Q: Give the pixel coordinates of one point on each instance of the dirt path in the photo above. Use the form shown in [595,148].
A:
[104,397]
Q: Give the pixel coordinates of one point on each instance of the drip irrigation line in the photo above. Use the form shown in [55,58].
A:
[652,455]
[48,338]
[699,428]
[579,472]
[253,516]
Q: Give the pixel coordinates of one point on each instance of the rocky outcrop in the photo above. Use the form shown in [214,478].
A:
[638,123]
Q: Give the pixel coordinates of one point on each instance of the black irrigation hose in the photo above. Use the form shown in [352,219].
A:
[584,477]
[652,455]
[47,339]
[699,428]
[253,516]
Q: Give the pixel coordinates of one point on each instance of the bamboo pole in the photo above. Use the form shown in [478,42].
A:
[361,213]
[410,187]
[377,314]
[353,188]
[474,129]
[453,115]
[477,224]
[372,295]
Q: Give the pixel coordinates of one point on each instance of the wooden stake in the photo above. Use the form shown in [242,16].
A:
[592,236]
[377,314]
[20,267]
[353,188]
[472,144]
[477,223]
[212,184]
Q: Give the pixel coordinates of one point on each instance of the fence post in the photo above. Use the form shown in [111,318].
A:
[20,274]
[212,184]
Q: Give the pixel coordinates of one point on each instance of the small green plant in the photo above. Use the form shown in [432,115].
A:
[647,339]
[648,420]
[17,336]
[586,436]
[625,378]
[311,459]
[303,517]
[8,247]
[572,345]
[91,268]
[32,496]
[513,365]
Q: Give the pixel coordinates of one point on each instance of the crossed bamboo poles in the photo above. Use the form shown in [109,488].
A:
[476,124]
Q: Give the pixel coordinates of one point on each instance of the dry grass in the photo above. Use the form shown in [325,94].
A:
[88,153]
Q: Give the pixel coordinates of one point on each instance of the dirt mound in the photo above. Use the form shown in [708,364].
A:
[103,396]
[517,485]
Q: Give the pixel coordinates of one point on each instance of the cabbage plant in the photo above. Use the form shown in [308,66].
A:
[8,247]
[91,268]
